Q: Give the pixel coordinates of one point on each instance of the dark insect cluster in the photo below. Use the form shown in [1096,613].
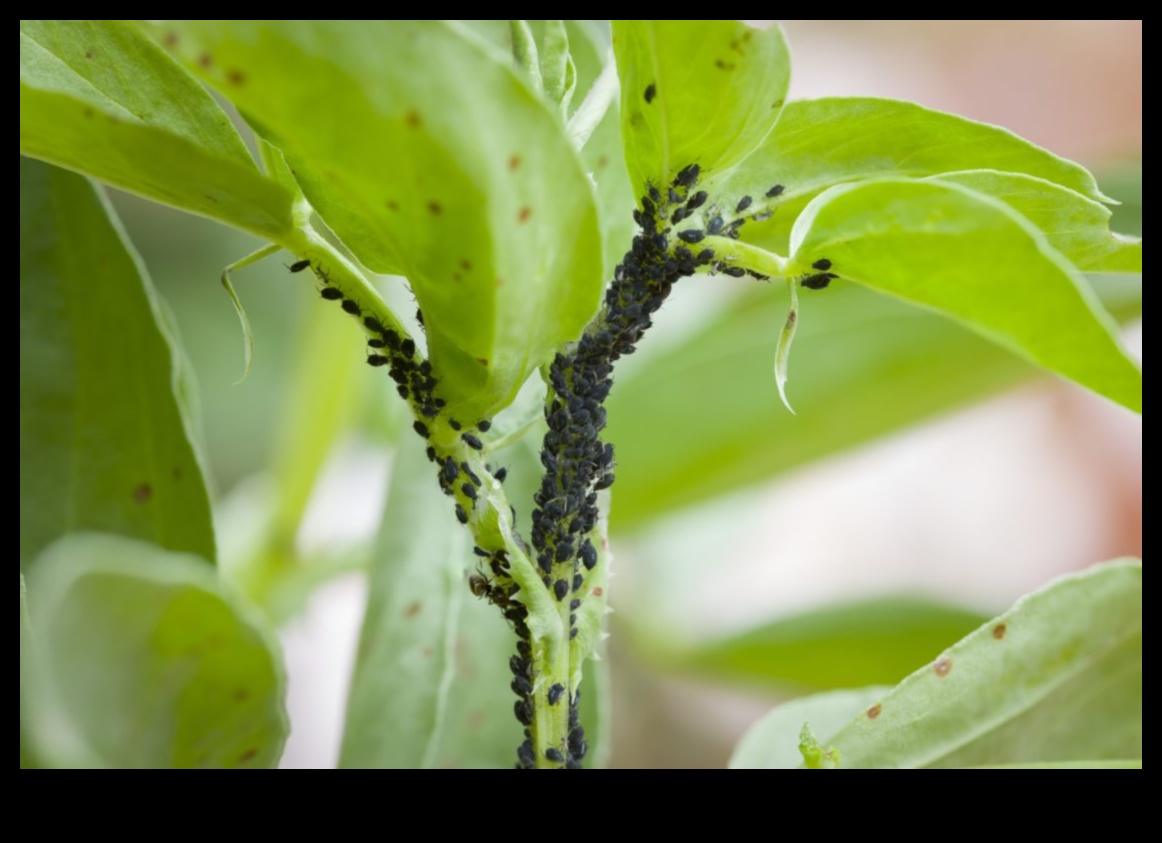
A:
[820,279]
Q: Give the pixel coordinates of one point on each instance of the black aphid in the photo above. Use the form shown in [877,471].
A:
[484,425]
[472,442]
[555,693]
[691,235]
[330,293]
[421,429]
[743,204]
[408,347]
[501,473]
[552,753]
[822,264]
[651,92]
[479,551]
[373,324]
[775,191]
[687,176]
[697,200]
[819,281]
[299,266]
[469,491]
[377,360]
[351,307]
[461,515]
[561,589]
[714,226]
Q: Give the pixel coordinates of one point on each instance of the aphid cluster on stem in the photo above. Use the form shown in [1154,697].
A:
[820,279]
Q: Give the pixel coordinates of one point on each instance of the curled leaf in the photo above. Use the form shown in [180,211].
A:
[783,351]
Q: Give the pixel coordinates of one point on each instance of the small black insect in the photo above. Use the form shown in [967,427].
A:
[714,226]
[469,491]
[374,343]
[461,515]
[420,317]
[775,191]
[377,360]
[524,649]
[452,423]
[351,307]
[675,196]
[299,266]
[588,555]
[651,92]
[408,347]
[472,442]
[691,235]
[402,390]
[734,271]
[822,264]
[743,204]
[479,551]
[573,633]
[479,585]
[697,200]
[687,176]
[421,429]
[431,452]
[655,194]
[330,293]
[373,324]
[555,693]
[679,215]
[560,589]
[501,474]
[484,425]
[524,714]
[705,256]
[554,754]
[521,686]
[574,605]
[819,281]
[578,581]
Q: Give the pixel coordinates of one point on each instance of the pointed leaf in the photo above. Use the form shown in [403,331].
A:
[823,142]
[970,257]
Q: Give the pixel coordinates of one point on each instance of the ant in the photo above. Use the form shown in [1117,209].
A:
[482,586]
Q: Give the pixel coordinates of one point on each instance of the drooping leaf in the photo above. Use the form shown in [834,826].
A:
[1055,679]
[862,137]
[701,92]
[101,98]
[141,662]
[872,642]
[103,442]
[970,257]
[430,157]
[1074,225]
[431,679]
[864,365]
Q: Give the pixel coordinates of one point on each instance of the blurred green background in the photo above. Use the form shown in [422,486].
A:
[775,553]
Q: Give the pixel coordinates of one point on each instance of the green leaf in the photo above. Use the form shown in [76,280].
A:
[430,157]
[773,742]
[1056,678]
[705,92]
[1075,226]
[823,142]
[872,642]
[972,258]
[431,679]
[142,663]
[101,98]
[103,442]
[865,365]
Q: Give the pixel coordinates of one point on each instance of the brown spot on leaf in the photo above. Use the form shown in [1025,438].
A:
[874,711]
[248,755]
[88,112]
[483,361]
[241,695]
[176,473]
[777,105]
[412,610]
[170,39]
[88,54]
[943,666]
[524,214]
[514,162]
[475,721]
[999,631]
[205,60]
[724,65]
[435,207]
[426,652]
[392,205]
[603,162]
[143,493]
[235,76]
[597,592]
[413,119]
[457,277]
[466,264]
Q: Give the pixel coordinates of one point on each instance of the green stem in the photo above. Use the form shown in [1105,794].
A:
[745,255]
[524,51]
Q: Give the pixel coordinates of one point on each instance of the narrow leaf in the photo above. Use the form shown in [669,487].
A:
[783,349]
